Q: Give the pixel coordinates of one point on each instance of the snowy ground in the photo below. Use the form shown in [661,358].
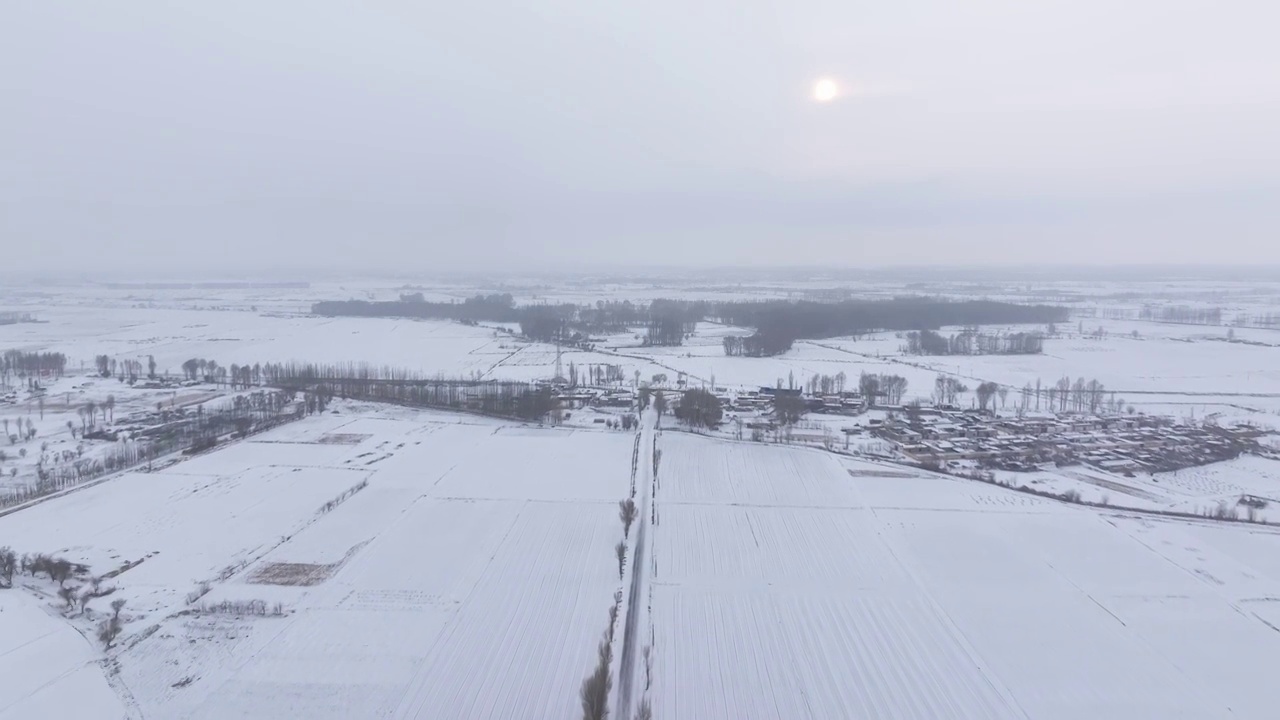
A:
[47,669]
[65,402]
[789,583]
[479,557]
[430,565]
[470,578]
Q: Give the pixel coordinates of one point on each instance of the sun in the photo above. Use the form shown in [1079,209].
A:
[825,90]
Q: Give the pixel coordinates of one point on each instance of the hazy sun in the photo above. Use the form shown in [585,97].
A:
[825,90]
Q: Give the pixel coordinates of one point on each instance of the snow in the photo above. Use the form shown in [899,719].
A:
[479,557]
[47,670]
[869,591]
[471,576]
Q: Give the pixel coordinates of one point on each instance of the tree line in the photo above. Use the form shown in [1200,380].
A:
[1182,314]
[128,370]
[22,364]
[778,323]
[497,308]
[13,318]
[361,381]
[973,342]
[201,430]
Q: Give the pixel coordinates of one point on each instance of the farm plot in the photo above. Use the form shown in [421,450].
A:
[882,488]
[469,578]
[695,470]
[925,596]
[792,609]
[169,530]
[47,669]
[1077,612]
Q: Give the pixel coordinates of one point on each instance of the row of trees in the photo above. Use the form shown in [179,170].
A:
[1065,395]
[1182,314]
[129,369]
[762,343]
[201,369]
[358,381]
[946,389]
[60,570]
[89,414]
[13,318]
[779,322]
[251,413]
[25,430]
[498,308]
[22,364]
[235,376]
[890,387]
[973,342]
[826,384]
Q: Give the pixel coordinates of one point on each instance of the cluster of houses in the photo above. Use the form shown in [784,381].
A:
[761,401]
[1122,444]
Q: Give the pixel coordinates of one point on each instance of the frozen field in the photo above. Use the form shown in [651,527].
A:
[468,578]
[47,669]
[788,583]
[173,336]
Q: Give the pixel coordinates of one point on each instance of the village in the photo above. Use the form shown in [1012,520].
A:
[948,436]
[1125,444]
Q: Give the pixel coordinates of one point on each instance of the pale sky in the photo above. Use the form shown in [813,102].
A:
[399,135]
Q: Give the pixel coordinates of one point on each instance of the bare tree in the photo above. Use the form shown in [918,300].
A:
[627,513]
[984,392]
[8,563]
[595,689]
[108,630]
[59,571]
[621,551]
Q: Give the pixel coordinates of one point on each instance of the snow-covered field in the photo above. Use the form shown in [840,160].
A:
[47,669]
[429,565]
[469,578]
[790,583]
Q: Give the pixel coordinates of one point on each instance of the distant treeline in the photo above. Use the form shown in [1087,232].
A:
[970,342]
[1182,314]
[778,323]
[1266,320]
[13,318]
[233,285]
[666,322]
[358,381]
[495,308]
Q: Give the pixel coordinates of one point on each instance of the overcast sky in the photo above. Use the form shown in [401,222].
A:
[409,134]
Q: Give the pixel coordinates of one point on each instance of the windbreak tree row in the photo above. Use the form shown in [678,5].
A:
[972,342]
[354,381]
